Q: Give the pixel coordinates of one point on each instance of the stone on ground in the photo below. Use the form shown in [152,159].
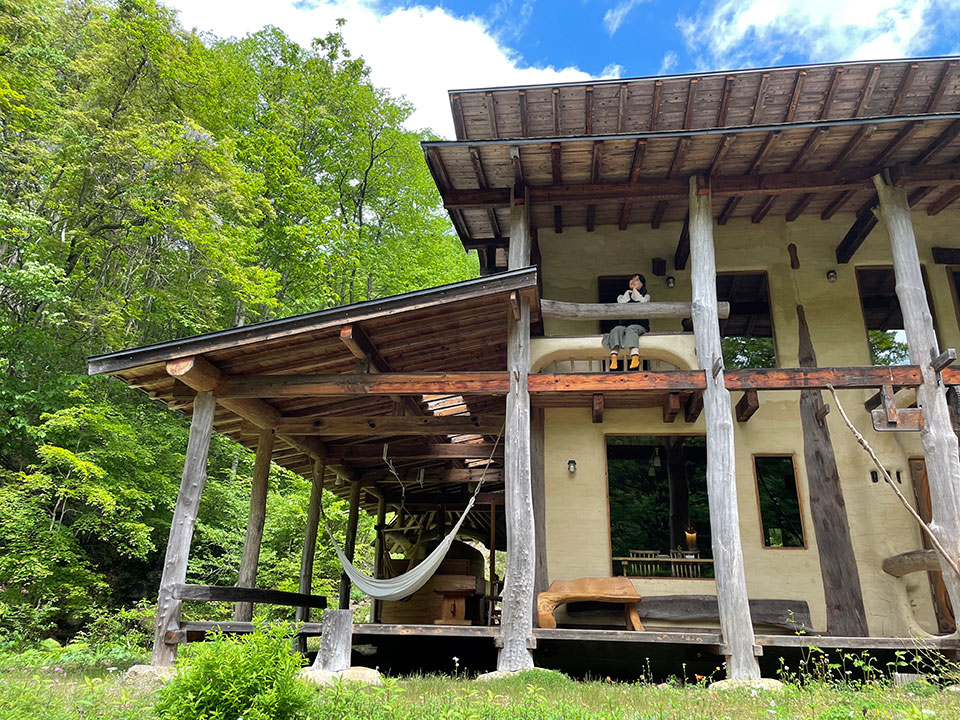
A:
[497,675]
[150,672]
[364,675]
[768,684]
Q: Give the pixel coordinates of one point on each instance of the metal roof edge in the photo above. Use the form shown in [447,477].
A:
[841,122]
[707,74]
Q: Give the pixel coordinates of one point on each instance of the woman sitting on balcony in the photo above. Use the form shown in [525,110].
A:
[628,334]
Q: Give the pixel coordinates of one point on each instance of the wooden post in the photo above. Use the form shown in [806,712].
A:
[181,526]
[538,487]
[843,597]
[938,438]
[335,641]
[309,548]
[379,550]
[243,612]
[735,622]
[350,542]
[516,623]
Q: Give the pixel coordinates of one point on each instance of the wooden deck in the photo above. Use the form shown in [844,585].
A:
[711,639]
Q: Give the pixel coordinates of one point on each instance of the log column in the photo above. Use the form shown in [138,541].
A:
[378,553]
[181,526]
[247,578]
[350,542]
[939,440]
[309,549]
[735,621]
[516,623]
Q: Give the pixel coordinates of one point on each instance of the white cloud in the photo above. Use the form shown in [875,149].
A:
[668,63]
[614,17]
[612,70]
[741,33]
[417,52]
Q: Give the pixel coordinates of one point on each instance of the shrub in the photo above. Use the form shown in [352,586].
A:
[255,677]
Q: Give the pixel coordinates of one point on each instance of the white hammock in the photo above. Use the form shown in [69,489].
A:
[406,584]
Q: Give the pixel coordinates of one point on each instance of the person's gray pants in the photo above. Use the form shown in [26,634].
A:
[623,336]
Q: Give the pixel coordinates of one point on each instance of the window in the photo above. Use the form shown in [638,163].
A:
[779,501]
[659,516]
[746,337]
[883,317]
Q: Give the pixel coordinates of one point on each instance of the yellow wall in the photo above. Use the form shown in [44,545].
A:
[880,527]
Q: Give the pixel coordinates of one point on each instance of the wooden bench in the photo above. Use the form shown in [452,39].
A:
[606,590]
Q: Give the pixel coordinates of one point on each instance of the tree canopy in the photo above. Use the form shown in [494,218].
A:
[158,183]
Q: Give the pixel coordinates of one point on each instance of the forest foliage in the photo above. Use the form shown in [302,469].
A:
[159,183]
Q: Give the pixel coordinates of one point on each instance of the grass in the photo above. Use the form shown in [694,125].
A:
[53,694]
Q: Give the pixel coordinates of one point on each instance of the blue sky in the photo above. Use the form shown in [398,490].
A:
[422,49]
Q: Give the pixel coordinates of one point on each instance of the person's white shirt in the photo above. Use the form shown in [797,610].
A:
[633,296]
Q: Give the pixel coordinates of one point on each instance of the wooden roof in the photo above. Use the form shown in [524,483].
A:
[454,327]
[618,152]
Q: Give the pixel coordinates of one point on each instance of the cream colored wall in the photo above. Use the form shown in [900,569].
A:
[578,542]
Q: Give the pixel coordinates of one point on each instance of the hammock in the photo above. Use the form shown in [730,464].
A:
[404,585]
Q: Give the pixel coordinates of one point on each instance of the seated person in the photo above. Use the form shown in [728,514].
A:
[627,334]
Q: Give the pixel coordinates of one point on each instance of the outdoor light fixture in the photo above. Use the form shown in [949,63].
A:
[671,281]
[831,275]
[571,466]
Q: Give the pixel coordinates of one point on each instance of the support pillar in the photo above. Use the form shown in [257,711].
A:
[247,578]
[309,548]
[736,624]
[181,526]
[538,485]
[379,550]
[350,542]
[516,623]
[938,438]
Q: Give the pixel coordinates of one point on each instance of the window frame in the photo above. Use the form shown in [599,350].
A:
[928,291]
[800,506]
[773,326]
[606,473]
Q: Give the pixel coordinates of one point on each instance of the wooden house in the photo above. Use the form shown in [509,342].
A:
[797,231]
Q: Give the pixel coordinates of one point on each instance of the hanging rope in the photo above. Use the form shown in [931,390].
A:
[406,584]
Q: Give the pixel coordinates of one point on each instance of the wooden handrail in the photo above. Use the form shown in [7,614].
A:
[910,562]
[622,311]
[219,593]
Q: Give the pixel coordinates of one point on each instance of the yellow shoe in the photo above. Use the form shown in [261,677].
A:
[613,362]
[634,362]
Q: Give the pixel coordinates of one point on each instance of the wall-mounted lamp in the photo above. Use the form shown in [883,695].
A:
[571,466]
[671,281]
[831,275]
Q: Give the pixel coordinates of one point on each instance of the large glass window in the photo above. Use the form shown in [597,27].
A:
[779,501]
[659,516]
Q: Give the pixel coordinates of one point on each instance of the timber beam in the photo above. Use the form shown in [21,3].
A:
[367,425]
[620,311]
[747,405]
[201,375]
[418,451]
[351,384]
[752,185]
[671,407]
[745,380]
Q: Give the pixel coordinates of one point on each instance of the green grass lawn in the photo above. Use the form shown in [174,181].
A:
[52,694]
